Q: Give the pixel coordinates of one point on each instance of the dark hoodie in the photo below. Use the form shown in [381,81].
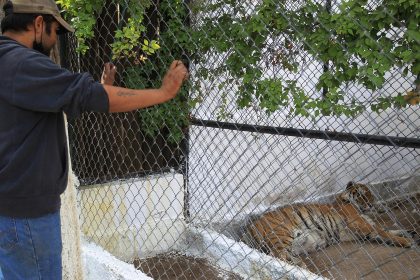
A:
[34,93]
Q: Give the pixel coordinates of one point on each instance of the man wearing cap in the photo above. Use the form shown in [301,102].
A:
[34,93]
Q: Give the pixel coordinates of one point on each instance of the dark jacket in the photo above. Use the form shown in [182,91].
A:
[34,93]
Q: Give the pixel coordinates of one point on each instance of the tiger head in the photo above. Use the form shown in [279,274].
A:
[359,195]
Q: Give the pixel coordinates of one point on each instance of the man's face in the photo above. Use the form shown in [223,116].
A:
[45,41]
[50,40]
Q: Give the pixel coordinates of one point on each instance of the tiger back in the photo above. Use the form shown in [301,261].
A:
[302,228]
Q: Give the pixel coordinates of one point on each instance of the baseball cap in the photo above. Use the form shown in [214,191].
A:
[46,7]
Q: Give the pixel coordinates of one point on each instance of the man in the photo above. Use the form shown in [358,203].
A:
[34,93]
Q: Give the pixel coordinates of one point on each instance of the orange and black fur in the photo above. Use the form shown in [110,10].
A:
[292,230]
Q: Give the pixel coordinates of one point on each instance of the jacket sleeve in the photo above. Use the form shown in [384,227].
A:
[41,85]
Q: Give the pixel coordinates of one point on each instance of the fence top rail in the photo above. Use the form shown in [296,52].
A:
[405,142]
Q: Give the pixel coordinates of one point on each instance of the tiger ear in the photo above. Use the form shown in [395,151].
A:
[349,185]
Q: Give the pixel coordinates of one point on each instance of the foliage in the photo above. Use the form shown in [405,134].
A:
[356,44]
[82,14]
[127,38]
[146,68]
[172,115]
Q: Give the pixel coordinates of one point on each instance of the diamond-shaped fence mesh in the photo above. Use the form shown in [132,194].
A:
[219,185]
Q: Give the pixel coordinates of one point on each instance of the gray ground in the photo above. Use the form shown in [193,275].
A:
[375,261]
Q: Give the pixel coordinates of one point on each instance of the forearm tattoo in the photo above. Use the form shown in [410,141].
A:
[125,93]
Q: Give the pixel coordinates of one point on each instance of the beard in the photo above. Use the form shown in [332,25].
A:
[39,47]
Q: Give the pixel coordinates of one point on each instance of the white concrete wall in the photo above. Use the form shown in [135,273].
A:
[234,173]
[136,217]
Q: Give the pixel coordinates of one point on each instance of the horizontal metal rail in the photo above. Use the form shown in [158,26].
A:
[316,134]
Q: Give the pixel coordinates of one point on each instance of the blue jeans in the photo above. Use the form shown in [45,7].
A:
[30,248]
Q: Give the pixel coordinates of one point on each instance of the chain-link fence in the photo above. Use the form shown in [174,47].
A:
[240,177]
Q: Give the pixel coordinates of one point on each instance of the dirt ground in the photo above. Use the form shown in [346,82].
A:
[179,267]
[374,261]
[343,261]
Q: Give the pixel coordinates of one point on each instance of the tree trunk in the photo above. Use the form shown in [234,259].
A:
[70,227]
[1,9]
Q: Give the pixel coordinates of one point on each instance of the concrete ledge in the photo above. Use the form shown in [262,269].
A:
[239,258]
[101,265]
[395,188]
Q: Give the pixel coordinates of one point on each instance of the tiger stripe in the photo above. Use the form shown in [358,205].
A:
[274,232]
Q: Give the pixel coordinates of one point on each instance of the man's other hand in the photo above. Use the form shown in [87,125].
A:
[108,75]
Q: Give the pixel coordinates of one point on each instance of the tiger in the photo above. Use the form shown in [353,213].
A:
[297,229]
